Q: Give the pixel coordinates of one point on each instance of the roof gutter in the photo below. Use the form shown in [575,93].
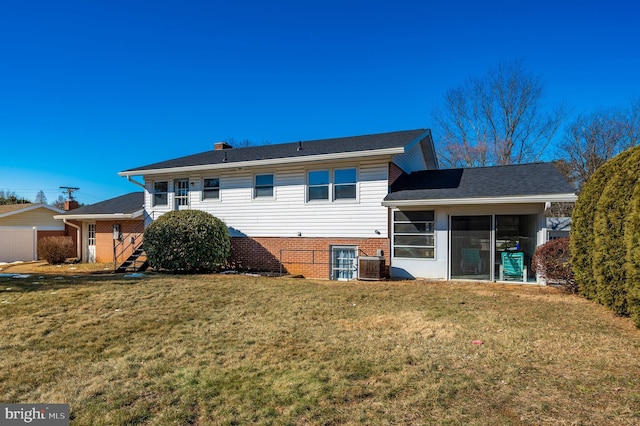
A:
[268,162]
[557,198]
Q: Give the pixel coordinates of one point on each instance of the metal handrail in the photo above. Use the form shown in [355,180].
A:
[129,242]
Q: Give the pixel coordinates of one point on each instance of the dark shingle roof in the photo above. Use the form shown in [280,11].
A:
[497,181]
[127,204]
[289,150]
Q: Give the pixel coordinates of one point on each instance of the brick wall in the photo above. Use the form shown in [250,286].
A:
[394,173]
[309,257]
[104,237]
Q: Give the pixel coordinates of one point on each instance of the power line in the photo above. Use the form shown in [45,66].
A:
[69,190]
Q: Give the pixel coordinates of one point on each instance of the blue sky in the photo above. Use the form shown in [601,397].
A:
[91,88]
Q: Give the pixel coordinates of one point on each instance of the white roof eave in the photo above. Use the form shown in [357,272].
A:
[546,198]
[269,162]
[101,216]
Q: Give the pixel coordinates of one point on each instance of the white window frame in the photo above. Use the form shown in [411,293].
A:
[212,189]
[331,186]
[256,187]
[429,230]
[321,185]
[181,200]
[155,193]
[345,265]
[336,185]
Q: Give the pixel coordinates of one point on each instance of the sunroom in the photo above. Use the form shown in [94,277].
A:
[472,224]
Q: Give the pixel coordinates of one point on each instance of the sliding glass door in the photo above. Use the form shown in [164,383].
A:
[471,247]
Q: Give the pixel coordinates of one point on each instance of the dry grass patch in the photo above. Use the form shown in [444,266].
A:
[210,349]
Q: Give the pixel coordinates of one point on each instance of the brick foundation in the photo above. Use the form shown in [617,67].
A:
[309,257]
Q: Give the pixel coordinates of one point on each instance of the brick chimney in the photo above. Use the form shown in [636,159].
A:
[70,205]
[219,146]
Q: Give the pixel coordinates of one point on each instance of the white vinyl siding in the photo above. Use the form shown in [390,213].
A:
[288,213]
[412,160]
[40,217]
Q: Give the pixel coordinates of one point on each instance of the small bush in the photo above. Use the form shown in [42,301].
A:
[187,241]
[55,250]
[552,262]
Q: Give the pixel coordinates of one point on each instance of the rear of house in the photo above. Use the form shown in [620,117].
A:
[307,208]
[316,207]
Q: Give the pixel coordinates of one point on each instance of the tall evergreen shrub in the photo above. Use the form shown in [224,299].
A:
[605,235]
[632,242]
[581,241]
[611,216]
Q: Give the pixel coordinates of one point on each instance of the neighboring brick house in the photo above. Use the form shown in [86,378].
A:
[22,225]
[107,225]
[314,207]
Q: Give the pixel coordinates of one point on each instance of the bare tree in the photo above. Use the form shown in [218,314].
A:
[59,203]
[496,119]
[593,139]
[10,197]
[245,143]
[40,198]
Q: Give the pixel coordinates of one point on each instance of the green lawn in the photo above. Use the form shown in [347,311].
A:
[211,349]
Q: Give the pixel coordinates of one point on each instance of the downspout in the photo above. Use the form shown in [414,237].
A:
[78,246]
[135,182]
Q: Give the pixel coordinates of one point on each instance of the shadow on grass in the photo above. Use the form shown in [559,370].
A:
[24,283]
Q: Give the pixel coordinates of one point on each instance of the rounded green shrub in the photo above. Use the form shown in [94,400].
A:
[187,241]
[605,235]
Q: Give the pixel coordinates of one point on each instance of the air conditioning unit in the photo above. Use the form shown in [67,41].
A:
[371,268]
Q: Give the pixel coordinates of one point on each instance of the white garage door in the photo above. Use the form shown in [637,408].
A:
[18,243]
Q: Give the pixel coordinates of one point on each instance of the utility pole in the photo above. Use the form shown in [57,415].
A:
[69,190]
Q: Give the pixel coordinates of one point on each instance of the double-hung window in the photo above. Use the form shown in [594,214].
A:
[318,185]
[414,234]
[339,184]
[160,190]
[263,186]
[344,184]
[211,189]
